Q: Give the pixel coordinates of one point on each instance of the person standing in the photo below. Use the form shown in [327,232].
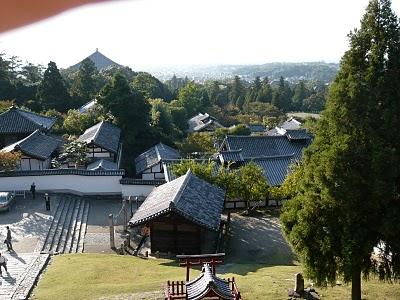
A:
[33,190]
[47,200]
[8,239]
[3,263]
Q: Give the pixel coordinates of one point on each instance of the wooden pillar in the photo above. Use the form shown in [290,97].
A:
[112,232]
[187,269]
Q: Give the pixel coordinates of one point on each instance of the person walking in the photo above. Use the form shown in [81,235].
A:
[47,201]
[3,263]
[33,190]
[8,239]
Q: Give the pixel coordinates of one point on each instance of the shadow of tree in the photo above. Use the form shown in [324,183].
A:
[257,241]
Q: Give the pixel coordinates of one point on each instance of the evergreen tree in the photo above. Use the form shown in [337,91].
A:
[265,94]
[281,97]
[84,87]
[190,97]
[132,114]
[236,90]
[299,94]
[346,199]
[52,92]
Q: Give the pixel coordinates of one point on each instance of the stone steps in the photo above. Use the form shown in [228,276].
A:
[67,231]
[23,272]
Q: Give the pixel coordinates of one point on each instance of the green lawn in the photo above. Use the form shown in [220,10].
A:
[91,276]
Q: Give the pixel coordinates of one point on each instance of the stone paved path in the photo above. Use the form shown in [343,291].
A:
[23,270]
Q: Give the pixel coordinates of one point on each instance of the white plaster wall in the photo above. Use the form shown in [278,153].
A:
[136,190]
[68,183]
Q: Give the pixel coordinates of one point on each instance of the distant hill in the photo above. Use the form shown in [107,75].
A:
[100,60]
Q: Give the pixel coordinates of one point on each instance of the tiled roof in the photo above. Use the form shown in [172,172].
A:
[100,61]
[231,156]
[202,121]
[154,155]
[291,124]
[256,127]
[81,172]
[102,164]
[275,168]
[297,134]
[16,120]
[104,135]
[87,106]
[188,196]
[197,288]
[264,146]
[134,181]
[37,145]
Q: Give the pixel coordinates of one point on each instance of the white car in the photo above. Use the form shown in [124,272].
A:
[6,199]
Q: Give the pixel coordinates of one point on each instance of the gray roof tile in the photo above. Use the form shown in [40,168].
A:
[202,121]
[206,281]
[154,155]
[16,120]
[276,168]
[37,145]
[189,196]
[297,134]
[104,135]
[102,164]
[264,146]
[231,156]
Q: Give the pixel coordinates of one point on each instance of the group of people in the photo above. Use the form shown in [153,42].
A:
[7,241]
[46,196]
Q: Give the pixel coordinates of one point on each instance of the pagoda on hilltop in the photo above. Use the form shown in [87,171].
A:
[100,60]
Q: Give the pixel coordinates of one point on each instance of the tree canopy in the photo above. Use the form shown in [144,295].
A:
[345,197]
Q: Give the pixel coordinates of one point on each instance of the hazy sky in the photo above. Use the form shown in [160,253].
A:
[142,33]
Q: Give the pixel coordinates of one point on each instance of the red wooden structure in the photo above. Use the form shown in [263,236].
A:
[207,285]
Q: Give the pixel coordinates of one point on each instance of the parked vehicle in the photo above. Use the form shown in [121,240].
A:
[6,199]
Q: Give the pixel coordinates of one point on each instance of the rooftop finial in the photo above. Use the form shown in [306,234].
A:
[97,49]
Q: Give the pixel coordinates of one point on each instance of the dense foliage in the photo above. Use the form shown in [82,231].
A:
[246,182]
[9,160]
[345,193]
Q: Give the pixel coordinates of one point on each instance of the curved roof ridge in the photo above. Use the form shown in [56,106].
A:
[271,156]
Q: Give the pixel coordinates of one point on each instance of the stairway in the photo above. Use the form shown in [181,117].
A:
[68,228]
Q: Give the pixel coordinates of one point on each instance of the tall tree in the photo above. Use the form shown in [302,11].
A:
[190,97]
[132,114]
[346,199]
[281,97]
[84,87]
[236,90]
[52,92]
[300,93]
[150,87]
[265,94]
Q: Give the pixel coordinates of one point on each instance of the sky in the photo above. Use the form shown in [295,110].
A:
[150,33]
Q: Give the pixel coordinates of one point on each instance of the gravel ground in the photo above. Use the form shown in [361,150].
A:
[258,239]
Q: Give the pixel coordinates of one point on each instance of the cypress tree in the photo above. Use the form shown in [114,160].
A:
[345,197]
[52,93]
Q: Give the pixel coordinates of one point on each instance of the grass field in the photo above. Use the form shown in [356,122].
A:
[92,276]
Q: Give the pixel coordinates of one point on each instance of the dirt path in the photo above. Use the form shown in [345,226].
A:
[258,239]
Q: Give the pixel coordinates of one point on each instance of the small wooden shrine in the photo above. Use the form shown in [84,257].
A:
[207,285]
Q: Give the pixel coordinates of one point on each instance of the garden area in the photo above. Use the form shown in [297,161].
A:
[104,276]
